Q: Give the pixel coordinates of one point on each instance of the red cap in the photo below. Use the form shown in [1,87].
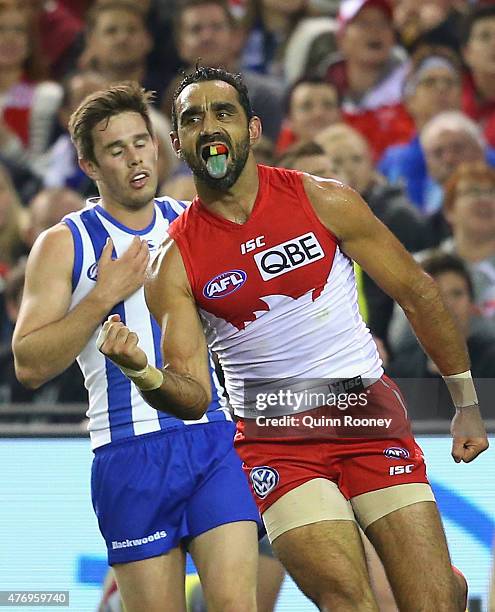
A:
[350,8]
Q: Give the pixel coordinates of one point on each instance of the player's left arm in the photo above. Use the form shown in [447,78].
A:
[369,242]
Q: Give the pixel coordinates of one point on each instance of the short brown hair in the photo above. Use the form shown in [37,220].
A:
[101,105]
[185,5]
[476,171]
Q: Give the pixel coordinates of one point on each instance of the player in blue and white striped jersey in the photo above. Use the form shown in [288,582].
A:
[160,484]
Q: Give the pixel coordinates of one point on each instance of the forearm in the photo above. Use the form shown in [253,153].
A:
[180,395]
[46,352]
[437,332]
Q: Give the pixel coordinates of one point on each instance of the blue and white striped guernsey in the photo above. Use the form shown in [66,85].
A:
[116,410]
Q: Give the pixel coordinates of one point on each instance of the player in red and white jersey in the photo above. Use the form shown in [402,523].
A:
[262,260]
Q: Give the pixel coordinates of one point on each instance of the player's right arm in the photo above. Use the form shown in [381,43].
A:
[182,387]
[48,336]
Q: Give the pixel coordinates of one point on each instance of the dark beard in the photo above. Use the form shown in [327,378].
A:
[237,159]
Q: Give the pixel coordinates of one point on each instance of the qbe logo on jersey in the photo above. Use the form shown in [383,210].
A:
[287,256]
[264,479]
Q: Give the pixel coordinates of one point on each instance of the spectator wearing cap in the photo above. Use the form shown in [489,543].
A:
[427,400]
[478,88]
[311,105]
[369,72]
[433,85]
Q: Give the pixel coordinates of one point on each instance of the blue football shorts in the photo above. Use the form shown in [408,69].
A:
[153,491]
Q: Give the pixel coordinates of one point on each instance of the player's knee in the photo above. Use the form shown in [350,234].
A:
[240,599]
[355,594]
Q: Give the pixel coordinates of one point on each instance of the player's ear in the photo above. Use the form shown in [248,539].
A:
[174,138]
[255,130]
[89,168]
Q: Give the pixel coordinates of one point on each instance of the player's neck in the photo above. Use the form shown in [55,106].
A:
[135,219]
[474,248]
[236,204]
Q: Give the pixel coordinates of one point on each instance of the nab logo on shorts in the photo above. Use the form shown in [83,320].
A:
[224,284]
[396,452]
[92,272]
[287,256]
[264,479]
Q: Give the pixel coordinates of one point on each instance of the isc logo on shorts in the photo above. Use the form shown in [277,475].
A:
[289,255]
[264,479]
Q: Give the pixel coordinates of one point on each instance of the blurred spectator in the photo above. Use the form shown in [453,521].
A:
[309,157]
[60,31]
[206,30]
[274,22]
[28,105]
[456,289]
[369,73]
[312,40]
[350,157]
[478,92]
[469,207]
[117,46]
[311,105]
[430,21]
[447,140]
[68,387]
[433,85]
[13,219]
[59,166]
[48,208]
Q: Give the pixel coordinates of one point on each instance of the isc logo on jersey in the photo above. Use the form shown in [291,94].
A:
[224,284]
[289,255]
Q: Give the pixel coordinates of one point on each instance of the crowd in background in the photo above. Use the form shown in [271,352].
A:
[395,98]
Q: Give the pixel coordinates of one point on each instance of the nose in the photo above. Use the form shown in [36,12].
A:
[134,157]
[209,127]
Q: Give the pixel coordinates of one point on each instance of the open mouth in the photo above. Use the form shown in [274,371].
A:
[139,179]
[213,149]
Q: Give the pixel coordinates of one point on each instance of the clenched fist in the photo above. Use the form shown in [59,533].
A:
[120,344]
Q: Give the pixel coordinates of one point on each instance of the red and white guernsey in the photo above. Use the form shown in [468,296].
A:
[277,296]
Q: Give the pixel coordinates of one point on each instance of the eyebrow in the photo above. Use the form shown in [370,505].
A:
[120,143]
[216,106]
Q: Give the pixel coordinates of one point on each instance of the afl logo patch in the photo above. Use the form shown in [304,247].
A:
[396,452]
[224,284]
[264,479]
[92,272]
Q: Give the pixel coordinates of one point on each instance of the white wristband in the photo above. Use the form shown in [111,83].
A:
[147,379]
[461,388]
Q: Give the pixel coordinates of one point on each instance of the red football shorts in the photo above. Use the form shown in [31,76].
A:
[361,449]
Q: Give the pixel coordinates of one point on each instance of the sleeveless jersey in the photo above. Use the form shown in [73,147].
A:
[277,295]
[116,410]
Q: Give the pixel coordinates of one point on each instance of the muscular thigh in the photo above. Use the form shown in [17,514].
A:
[412,546]
[229,551]
[153,585]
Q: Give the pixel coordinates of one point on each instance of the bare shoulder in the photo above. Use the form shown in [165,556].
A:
[52,252]
[166,274]
[339,207]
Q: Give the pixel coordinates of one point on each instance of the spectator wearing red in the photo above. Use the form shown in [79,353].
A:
[28,104]
[369,72]
[311,105]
